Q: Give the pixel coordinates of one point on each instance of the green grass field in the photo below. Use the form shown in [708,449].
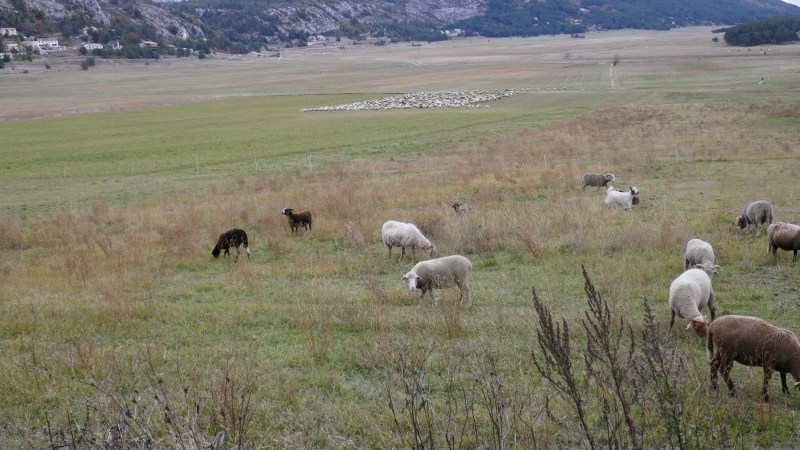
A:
[119,329]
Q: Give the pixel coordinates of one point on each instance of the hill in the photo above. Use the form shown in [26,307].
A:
[240,26]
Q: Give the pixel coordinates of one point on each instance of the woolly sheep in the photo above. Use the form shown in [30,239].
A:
[597,180]
[698,251]
[752,342]
[232,238]
[688,294]
[784,236]
[756,213]
[626,199]
[401,234]
[297,220]
[440,273]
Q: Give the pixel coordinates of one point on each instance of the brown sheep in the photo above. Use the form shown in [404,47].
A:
[752,342]
[232,238]
[297,220]
[784,236]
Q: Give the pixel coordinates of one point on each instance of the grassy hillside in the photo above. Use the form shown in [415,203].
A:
[120,329]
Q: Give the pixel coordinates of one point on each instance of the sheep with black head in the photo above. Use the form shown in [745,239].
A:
[297,220]
[232,238]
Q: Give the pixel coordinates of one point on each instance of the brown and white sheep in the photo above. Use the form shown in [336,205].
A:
[402,234]
[232,238]
[297,220]
[626,199]
[784,236]
[440,273]
[755,213]
[752,342]
[688,294]
[597,180]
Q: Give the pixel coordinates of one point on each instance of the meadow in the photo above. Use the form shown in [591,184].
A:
[119,329]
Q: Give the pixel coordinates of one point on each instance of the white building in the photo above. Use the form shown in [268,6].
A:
[5,32]
[44,44]
[92,46]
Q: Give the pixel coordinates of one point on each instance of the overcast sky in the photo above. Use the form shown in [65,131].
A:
[794,2]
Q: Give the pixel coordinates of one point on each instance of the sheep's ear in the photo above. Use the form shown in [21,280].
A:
[797,384]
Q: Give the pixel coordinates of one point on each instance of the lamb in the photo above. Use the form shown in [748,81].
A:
[698,251]
[784,236]
[297,220]
[597,180]
[688,294]
[440,273]
[626,199]
[232,238]
[756,213]
[752,342]
[461,208]
[401,234]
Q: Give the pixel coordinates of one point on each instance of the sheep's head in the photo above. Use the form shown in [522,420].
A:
[741,222]
[287,211]
[410,279]
[699,325]
[708,268]
[216,251]
[635,199]
[610,177]
[634,190]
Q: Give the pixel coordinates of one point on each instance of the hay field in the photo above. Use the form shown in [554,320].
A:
[118,329]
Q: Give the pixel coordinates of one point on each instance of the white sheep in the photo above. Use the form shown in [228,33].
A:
[401,234]
[698,251]
[688,294]
[784,236]
[626,199]
[755,213]
[752,342]
[440,273]
[596,179]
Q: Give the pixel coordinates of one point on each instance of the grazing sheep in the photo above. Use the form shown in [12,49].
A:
[698,252]
[597,180]
[688,294]
[626,199]
[297,220]
[232,238]
[401,234]
[440,273]
[752,342]
[784,236]
[461,208]
[756,213]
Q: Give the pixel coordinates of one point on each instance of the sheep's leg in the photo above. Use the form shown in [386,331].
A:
[421,296]
[767,377]
[794,258]
[469,295]
[714,369]
[413,256]
[711,306]
[758,228]
[390,251]
[671,319]
[784,387]
[726,364]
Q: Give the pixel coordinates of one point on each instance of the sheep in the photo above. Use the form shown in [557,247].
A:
[597,180]
[297,220]
[688,294]
[756,213]
[440,273]
[461,208]
[752,342]
[784,236]
[232,238]
[698,251]
[626,199]
[401,234]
